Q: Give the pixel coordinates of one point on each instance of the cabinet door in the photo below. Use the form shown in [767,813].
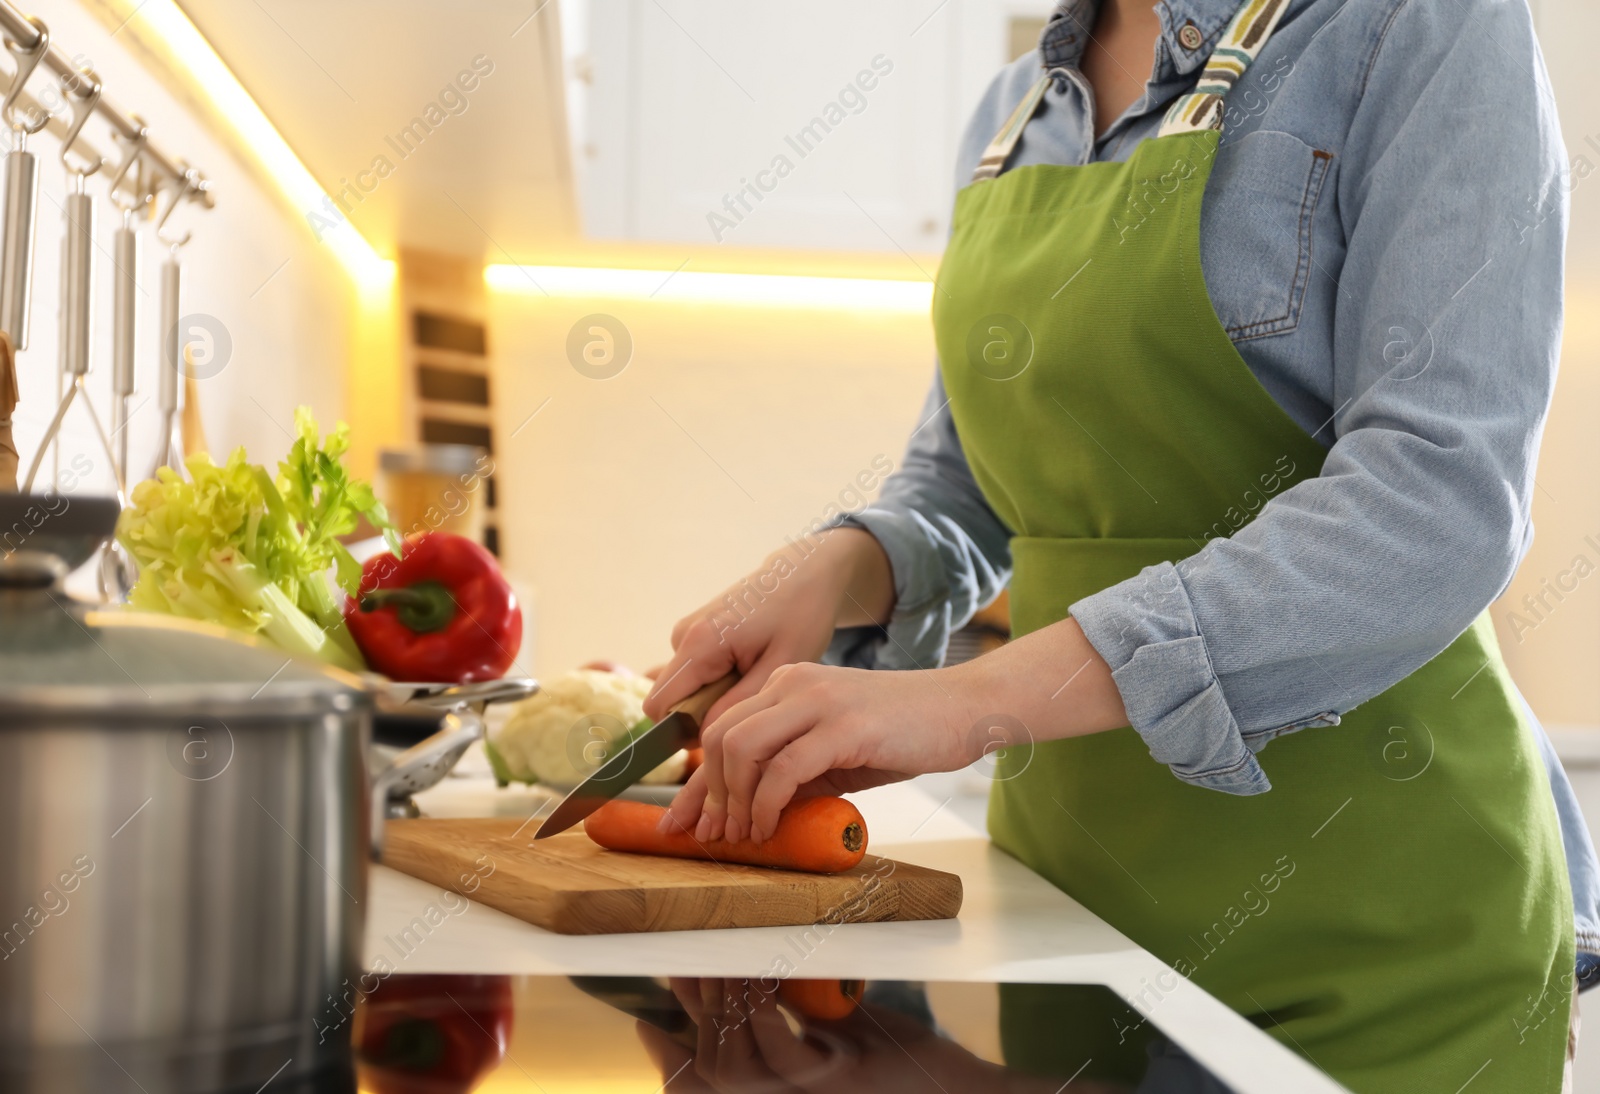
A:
[830,124]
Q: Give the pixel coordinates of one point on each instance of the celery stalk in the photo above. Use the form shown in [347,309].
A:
[236,545]
[289,628]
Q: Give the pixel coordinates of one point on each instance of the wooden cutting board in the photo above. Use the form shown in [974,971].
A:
[571,885]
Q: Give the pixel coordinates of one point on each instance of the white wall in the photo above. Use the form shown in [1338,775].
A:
[627,502]
[253,265]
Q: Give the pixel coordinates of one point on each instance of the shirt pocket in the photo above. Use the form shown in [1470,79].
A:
[1256,231]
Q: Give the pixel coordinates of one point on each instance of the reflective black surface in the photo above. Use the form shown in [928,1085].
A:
[438,1034]
[443,1034]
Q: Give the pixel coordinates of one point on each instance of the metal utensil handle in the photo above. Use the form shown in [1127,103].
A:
[124,328]
[697,704]
[171,355]
[16,245]
[169,362]
[124,308]
[456,730]
[76,306]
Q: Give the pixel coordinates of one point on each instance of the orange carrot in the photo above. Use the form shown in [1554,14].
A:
[827,1000]
[696,757]
[819,835]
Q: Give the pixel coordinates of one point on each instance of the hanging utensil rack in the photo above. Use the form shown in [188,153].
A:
[26,34]
[27,40]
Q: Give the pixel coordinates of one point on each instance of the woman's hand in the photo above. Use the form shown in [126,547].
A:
[744,1043]
[815,729]
[784,612]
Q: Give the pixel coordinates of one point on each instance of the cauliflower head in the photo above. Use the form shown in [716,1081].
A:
[563,732]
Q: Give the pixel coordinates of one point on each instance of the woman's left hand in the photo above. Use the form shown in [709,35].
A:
[815,729]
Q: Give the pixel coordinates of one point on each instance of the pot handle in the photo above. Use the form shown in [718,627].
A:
[456,731]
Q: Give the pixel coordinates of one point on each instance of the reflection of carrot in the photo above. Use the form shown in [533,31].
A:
[692,762]
[827,1000]
[820,835]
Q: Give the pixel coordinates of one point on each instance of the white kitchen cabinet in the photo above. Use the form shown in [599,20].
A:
[838,131]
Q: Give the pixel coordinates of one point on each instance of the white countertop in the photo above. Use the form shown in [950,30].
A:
[1014,926]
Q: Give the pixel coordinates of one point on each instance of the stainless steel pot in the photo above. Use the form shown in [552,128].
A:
[185,823]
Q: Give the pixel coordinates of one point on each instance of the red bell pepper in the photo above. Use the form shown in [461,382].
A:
[433,1034]
[442,612]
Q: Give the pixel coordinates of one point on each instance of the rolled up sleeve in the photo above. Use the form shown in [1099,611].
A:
[1147,631]
[949,552]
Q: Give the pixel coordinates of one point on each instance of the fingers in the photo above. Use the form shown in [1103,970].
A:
[700,657]
[801,761]
[749,696]
[749,684]
[671,1059]
[687,989]
[727,1056]
[753,755]
[748,751]
[687,805]
[713,822]
[688,621]
[790,1056]
[701,999]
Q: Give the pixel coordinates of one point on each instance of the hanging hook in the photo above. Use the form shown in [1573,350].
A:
[27,61]
[136,143]
[83,107]
[181,188]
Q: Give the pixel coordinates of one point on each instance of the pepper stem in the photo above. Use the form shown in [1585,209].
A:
[423,607]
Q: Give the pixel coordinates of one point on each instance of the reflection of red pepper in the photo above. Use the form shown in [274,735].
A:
[433,1034]
[442,612]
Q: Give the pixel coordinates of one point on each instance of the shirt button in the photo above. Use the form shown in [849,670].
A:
[1189,36]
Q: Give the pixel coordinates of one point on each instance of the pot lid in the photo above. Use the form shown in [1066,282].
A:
[59,656]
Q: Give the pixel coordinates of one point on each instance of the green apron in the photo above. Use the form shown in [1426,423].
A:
[1396,908]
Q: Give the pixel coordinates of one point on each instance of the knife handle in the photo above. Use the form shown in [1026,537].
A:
[697,704]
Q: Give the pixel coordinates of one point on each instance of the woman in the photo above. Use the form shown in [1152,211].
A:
[1243,365]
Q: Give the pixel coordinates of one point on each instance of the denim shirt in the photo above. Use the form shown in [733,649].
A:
[1383,236]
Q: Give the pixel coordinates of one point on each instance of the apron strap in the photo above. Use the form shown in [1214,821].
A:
[999,149]
[1238,46]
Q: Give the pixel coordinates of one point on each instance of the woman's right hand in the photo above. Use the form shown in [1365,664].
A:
[784,612]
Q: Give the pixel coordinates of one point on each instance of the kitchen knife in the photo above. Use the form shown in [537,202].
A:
[642,998]
[640,756]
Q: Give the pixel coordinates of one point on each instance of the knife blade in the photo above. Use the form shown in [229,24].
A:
[640,756]
[642,998]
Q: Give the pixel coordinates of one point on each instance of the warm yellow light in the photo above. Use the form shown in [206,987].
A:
[772,290]
[211,76]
